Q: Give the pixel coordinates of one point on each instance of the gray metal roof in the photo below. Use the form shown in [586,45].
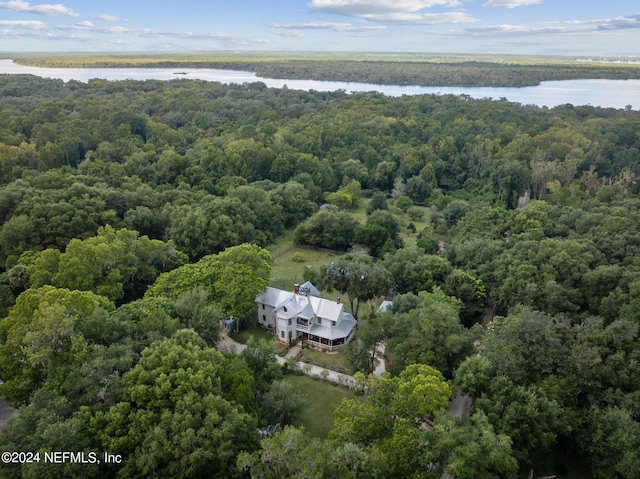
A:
[308,307]
[341,330]
[384,306]
[312,291]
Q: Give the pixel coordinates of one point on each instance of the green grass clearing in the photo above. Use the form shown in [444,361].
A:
[286,270]
[332,360]
[282,241]
[410,238]
[360,213]
[258,333]
[322,398]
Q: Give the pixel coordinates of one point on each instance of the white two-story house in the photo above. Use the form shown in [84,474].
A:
[302,313]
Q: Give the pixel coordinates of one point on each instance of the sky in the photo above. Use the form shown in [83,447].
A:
[585,28]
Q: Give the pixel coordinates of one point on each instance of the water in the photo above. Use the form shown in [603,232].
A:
[603,93]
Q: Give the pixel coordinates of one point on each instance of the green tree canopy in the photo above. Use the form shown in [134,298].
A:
[417,394]
[232,279]
[118,264]
[329,228]
[431,333]
[358,276]
[41,338]
[289,453]
[469,448]
[174,418]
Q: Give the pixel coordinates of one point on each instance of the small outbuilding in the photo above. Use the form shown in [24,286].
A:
[229,324]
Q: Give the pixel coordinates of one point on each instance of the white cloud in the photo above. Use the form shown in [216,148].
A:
[88,26]
[422,18]
[510,3]
[293,33]
[520,30]
[119,33]
[117,30]
[42,9]
[621,23]
[105,17]
[335,26]
[572,27]
[390,11]
[29,25]
[359,8]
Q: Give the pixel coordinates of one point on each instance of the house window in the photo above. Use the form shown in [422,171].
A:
[285,309]
[319,321]
[289,321]
[264,318]
[263,306]
[282,334]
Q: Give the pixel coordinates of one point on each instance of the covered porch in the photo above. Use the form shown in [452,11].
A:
[326,343]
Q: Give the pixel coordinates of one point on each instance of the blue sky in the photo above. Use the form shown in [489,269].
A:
[541,27]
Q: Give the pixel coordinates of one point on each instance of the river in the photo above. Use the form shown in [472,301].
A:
[603,93]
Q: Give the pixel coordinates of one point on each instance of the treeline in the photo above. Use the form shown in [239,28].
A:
[463,74]
[386,72]
[122,208]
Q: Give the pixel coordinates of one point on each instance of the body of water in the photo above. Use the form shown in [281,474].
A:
[603,93]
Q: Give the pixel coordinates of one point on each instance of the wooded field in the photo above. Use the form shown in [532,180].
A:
[388,69]
[134,215]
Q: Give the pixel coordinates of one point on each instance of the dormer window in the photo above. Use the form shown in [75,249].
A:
[284,308]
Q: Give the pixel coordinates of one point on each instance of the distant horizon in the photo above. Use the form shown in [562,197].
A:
[337,53]
[479,27]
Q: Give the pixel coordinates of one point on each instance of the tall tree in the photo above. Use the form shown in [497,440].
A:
[232,279]
[118,264]
[289,453]
[469,448]
[329,228]
[41,338]
[431,333]
[173,419]
[358,276]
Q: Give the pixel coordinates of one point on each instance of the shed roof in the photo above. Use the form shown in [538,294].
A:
[384,306]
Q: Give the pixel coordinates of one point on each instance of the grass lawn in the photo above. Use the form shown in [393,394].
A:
[259,333]
[285,271]
[255,332]
[360,213]
[333,360]
[322,399]
[410,238]
[282,241]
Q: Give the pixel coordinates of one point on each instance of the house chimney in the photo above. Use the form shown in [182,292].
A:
[338,300]
[296,288]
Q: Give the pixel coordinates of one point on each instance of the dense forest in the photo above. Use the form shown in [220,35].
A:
[398,69]
[134,216]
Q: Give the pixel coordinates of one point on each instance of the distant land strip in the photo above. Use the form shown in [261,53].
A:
[387,69]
